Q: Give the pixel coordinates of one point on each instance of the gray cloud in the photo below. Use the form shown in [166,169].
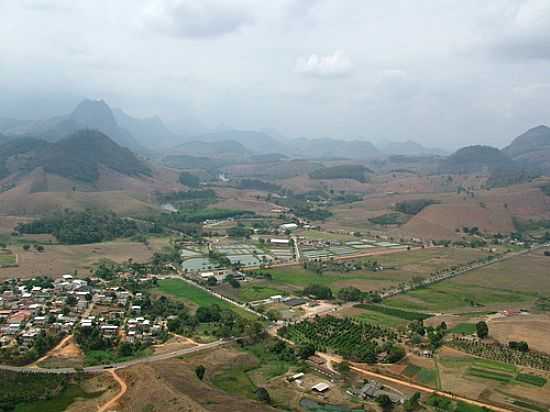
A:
[445,73]
[195,19]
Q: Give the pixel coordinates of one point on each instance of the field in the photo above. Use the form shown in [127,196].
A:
[534,329]
[464,328]
[453,296]
[399,267]
[58,259]
[527,273]
[7,258]
[491,380]
[194,296]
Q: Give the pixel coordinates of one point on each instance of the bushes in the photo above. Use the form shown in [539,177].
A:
[318,292]
[393,218]
[412,207]
[20,387]
[89,226]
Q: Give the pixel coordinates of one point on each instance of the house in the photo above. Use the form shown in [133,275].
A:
[281,242]
[320,387]
[288,226]
[295,377]
[373,389]
[293,302]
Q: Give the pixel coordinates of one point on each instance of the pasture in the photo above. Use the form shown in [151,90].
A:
[194,296]
[451,296]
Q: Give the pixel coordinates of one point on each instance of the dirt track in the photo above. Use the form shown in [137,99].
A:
[113,401]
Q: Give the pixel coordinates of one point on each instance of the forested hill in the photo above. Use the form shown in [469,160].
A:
[474,159]
[78,156]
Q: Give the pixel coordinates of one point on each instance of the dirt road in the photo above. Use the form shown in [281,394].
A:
[420,388]
[113,401]
[60,345]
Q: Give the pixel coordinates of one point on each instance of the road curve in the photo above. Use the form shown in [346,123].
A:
[113,401]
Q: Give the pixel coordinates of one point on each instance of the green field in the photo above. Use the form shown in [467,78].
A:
[489,374]
[397,313]
[250,373]
[7,258]
[531,379]
[190,294]
[422,375]
[250,293]
[464,328]
[446,296]
[378,318]
[103,357]
[59,403]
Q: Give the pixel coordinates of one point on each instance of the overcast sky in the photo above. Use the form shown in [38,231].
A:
[441,72]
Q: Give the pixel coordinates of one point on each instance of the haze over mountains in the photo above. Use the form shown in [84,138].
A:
[151,134]
[65,145]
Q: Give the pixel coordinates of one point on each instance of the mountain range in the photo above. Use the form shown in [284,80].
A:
[150,135]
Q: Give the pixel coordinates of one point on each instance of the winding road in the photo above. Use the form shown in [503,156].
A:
[120,365]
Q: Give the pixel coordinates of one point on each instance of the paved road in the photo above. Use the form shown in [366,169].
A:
[120,365]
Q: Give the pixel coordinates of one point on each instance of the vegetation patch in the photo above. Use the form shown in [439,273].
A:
[531,379]
[489,374]
[392,218]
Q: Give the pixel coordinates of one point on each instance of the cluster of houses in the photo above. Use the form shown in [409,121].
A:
[27,312]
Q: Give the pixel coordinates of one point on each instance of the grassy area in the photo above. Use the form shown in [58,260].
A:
[244,377]
[447,296]
[378,318]
[422,375]
[397,313]
[249,293]
[190,294]
[102,357]
[7,258]
[464,328]
[529,405]
[59,403]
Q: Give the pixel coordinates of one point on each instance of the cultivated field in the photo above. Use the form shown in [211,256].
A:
[528,273]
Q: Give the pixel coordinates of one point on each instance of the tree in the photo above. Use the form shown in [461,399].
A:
[200,371]
[349,294]
[211,281]
[305,351]
[125,349]
[26,246]
[263,395]
[318,291]
[412,404]
[385,402]
[343,367]
[396,353]
[482,329]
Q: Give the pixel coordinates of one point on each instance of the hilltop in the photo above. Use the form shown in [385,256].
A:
[78,156]
[532,148]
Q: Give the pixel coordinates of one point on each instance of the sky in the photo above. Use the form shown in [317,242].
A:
[445,73]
